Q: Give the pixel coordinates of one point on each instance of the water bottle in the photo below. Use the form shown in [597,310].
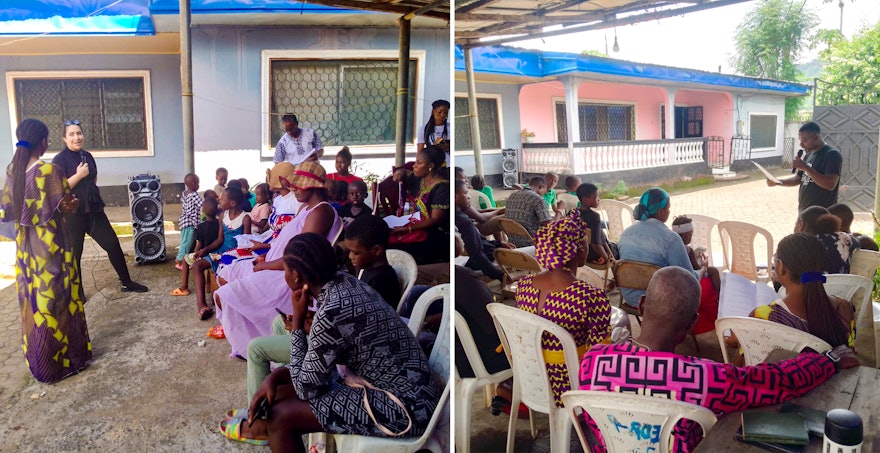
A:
[843,432]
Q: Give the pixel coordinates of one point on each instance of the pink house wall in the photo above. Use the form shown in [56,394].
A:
[537,100]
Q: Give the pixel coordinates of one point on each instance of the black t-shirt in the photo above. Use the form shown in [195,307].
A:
[594,224]
[383,279]
[345,211]
[207,232]
[479,250]
[86,190]
[827,161]
[471,298]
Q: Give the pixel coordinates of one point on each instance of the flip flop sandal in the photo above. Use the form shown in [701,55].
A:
[205,313]
[231,429]
[178,267]
[180,292]
[237,413]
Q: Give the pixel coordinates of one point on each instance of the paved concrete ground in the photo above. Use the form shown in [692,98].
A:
[748,200]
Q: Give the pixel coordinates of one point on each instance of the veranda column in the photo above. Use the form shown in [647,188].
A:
[670,124]
[573,121]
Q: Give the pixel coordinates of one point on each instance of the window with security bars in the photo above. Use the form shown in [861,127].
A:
[346,102]
[490,128]
[111,110]
[688,122]
[598,122]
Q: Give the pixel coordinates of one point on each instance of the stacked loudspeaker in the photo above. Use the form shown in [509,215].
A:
[509,167]
[145,199]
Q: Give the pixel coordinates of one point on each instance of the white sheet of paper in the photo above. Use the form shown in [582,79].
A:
[394,221]
[767,174]
[739,295]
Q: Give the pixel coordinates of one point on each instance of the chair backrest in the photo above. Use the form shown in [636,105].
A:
[475,196]
[618,215]
[738,240]
[569,201]
[633,274]
[702,237]
[407,271]
[516,264]
[511,227]
[758,338]
[466,338]
[520,333]
[629,422]
[864,263]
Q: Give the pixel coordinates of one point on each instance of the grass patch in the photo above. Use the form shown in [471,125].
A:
[669,186]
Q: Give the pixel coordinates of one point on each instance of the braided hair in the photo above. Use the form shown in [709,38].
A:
[428,133]
[30,134]
[312,257]
[802,253]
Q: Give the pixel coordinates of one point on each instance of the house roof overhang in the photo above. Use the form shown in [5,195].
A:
[478,22]
[501,64]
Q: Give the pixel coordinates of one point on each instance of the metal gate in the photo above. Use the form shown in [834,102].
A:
[715,155]
[854,130]
[741,148]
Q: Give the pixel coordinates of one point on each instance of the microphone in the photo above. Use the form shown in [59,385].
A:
[82,157]
[799,154]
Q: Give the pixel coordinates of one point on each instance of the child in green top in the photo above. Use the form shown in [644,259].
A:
[550,196]
[571,184]
[479,184]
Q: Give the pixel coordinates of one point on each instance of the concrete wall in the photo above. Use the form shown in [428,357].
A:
[228,82]
[744,105]
[508,99]
[166,107]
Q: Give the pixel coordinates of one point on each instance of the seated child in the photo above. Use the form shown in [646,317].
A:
[343,166]
[550,195]
[572,182]
[366,239]
[246,189]
[222,175]
[588,194]
[245,205]
[357,193]
[210,194]
[479,184]
[234,222]
[338,194]
[189,216]
[710,278]
[206,234]
[263,207]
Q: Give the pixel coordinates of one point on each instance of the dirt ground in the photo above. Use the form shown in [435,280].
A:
[149,386]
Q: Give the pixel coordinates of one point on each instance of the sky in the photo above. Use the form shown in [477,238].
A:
[702,40]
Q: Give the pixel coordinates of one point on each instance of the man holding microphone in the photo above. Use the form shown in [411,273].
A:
[818,173]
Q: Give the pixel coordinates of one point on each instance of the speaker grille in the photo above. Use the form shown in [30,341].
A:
[149,245]
[146,211]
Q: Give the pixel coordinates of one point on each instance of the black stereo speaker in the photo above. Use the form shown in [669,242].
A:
[509,168]
[145,199]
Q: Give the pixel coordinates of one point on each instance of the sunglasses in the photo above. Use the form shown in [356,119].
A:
[72,123]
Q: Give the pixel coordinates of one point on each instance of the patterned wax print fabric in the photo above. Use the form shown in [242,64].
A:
[55,338]
[778,312]
[356,328]
[839,248]
[719,387]
[580,309]
[530,210]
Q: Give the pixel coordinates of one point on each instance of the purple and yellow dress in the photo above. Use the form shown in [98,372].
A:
[778,312]
[55,338]
[580,309]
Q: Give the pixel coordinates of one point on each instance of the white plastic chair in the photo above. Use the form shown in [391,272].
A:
[618,215]
[615,413]
[738,242]
[854,288]
[864,263]
[568,200]
[520,333]
[475,196]
[436,435]
[759,337]
[465,387]
[407,271]
[702,237]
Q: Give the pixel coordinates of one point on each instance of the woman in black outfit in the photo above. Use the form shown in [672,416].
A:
[82,173]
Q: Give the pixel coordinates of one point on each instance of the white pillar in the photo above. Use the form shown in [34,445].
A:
[573,134]
[670,124]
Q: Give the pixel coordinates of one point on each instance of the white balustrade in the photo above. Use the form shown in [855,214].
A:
[604,157]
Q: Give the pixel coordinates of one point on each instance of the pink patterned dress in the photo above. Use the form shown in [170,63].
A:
[719,387]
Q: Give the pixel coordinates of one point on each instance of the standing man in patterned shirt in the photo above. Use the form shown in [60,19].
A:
[527,206]
[298,144]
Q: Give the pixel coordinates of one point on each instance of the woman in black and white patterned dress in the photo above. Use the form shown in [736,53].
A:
[353,327]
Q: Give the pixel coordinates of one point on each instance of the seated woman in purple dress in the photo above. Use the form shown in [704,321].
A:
[246,303]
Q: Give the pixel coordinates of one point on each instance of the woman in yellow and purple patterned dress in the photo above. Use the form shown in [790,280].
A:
[559,296]
[55,337]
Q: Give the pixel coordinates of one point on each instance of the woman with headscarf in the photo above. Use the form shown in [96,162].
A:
[54,335]
[246,304]
[559,296]
[649,240]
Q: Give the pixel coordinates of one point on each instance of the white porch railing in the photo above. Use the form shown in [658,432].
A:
[598,157]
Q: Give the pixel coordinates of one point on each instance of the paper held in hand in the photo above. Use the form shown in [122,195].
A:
[767,174]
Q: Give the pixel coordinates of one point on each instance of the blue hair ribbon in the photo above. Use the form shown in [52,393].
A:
[23,144]
[810,277]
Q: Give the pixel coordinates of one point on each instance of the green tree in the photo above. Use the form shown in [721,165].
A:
[771,38]
[855,62]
